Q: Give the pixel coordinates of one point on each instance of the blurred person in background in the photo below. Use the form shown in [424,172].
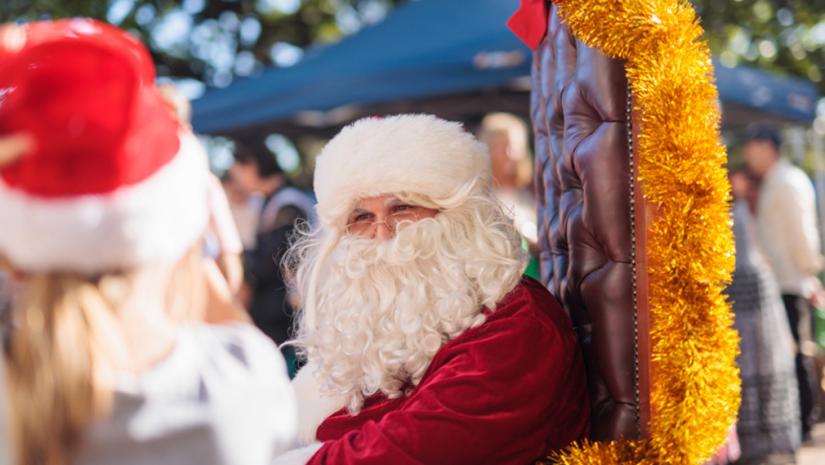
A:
[283,206]
[103,201]
[768,427]
[222,241]
[245,208]
[425,344]
[787,232]
[507,138]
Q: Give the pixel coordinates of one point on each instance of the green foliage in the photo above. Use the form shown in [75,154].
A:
[786,36]
[214,41]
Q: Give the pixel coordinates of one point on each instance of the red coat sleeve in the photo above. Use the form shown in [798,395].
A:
[503,396]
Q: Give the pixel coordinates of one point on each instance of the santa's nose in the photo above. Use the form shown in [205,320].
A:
[383,231]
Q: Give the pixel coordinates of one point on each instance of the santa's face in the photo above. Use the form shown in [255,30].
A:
[384,306]
[381,216]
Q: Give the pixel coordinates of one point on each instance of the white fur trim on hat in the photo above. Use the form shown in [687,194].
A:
[313,406]
[418,154]
[154,221]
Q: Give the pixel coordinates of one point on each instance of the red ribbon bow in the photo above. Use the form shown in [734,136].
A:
[529,22]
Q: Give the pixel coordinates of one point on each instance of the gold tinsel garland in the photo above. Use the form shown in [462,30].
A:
[695,394]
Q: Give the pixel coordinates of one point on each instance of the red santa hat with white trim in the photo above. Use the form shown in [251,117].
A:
[112,181]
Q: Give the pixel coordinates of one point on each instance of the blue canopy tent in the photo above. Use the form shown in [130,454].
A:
[455,58]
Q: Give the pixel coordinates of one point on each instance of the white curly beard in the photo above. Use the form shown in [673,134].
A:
[385,308]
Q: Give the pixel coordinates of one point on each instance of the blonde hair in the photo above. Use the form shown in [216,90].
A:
[54,348]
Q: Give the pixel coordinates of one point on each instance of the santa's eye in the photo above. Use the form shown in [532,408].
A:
[403,208]
[362,217]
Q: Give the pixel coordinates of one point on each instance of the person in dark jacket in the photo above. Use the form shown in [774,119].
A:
[283,207]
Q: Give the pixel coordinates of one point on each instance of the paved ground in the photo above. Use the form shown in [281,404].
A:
[814,454]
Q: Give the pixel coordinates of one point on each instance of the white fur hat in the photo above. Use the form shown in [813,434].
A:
[419,154]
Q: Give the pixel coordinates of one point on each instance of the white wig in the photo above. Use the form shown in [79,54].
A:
[374,313]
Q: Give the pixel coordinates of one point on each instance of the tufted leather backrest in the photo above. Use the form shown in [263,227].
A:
[583,171]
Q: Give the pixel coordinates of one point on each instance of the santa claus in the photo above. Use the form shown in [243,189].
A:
[424,342]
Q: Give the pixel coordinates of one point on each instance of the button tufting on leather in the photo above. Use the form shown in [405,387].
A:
[580,124]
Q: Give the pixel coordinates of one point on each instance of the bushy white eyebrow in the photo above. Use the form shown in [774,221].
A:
[390,202]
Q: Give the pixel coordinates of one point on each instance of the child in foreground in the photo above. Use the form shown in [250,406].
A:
[124,346]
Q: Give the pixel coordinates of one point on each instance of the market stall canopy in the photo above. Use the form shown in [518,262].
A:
[455,58]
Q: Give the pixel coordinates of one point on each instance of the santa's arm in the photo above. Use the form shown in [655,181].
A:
[493,398]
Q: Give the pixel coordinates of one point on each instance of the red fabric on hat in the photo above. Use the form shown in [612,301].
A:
[85,92]
[529,22]
[85,30]
[503,393]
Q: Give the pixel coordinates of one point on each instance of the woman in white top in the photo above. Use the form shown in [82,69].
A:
[109,357]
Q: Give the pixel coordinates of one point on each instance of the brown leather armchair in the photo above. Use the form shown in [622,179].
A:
[587,235]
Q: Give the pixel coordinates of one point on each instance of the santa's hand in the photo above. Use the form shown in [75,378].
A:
[13,146]
[298,456]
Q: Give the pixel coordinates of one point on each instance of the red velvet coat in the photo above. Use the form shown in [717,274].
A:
[503,393]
